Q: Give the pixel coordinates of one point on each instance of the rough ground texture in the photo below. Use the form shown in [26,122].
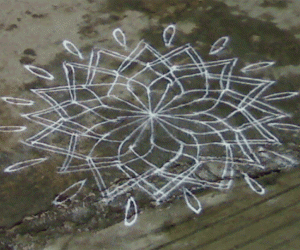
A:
[31,32]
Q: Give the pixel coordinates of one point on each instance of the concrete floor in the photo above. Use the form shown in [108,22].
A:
[241,220]
[237,219]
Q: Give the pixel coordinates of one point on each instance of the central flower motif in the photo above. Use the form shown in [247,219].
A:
[151,120]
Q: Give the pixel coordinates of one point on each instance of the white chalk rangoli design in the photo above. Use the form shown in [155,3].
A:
[157,122]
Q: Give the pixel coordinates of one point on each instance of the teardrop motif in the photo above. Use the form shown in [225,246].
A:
[191,200]
[257,66]
[280,96]
[219,45]
[168,34]
[42,73]
[17,101]
[120,37]
[70,47]
[24,164]
[8,129]
[130,206]
[284,126]
[254,185]
[73,190]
